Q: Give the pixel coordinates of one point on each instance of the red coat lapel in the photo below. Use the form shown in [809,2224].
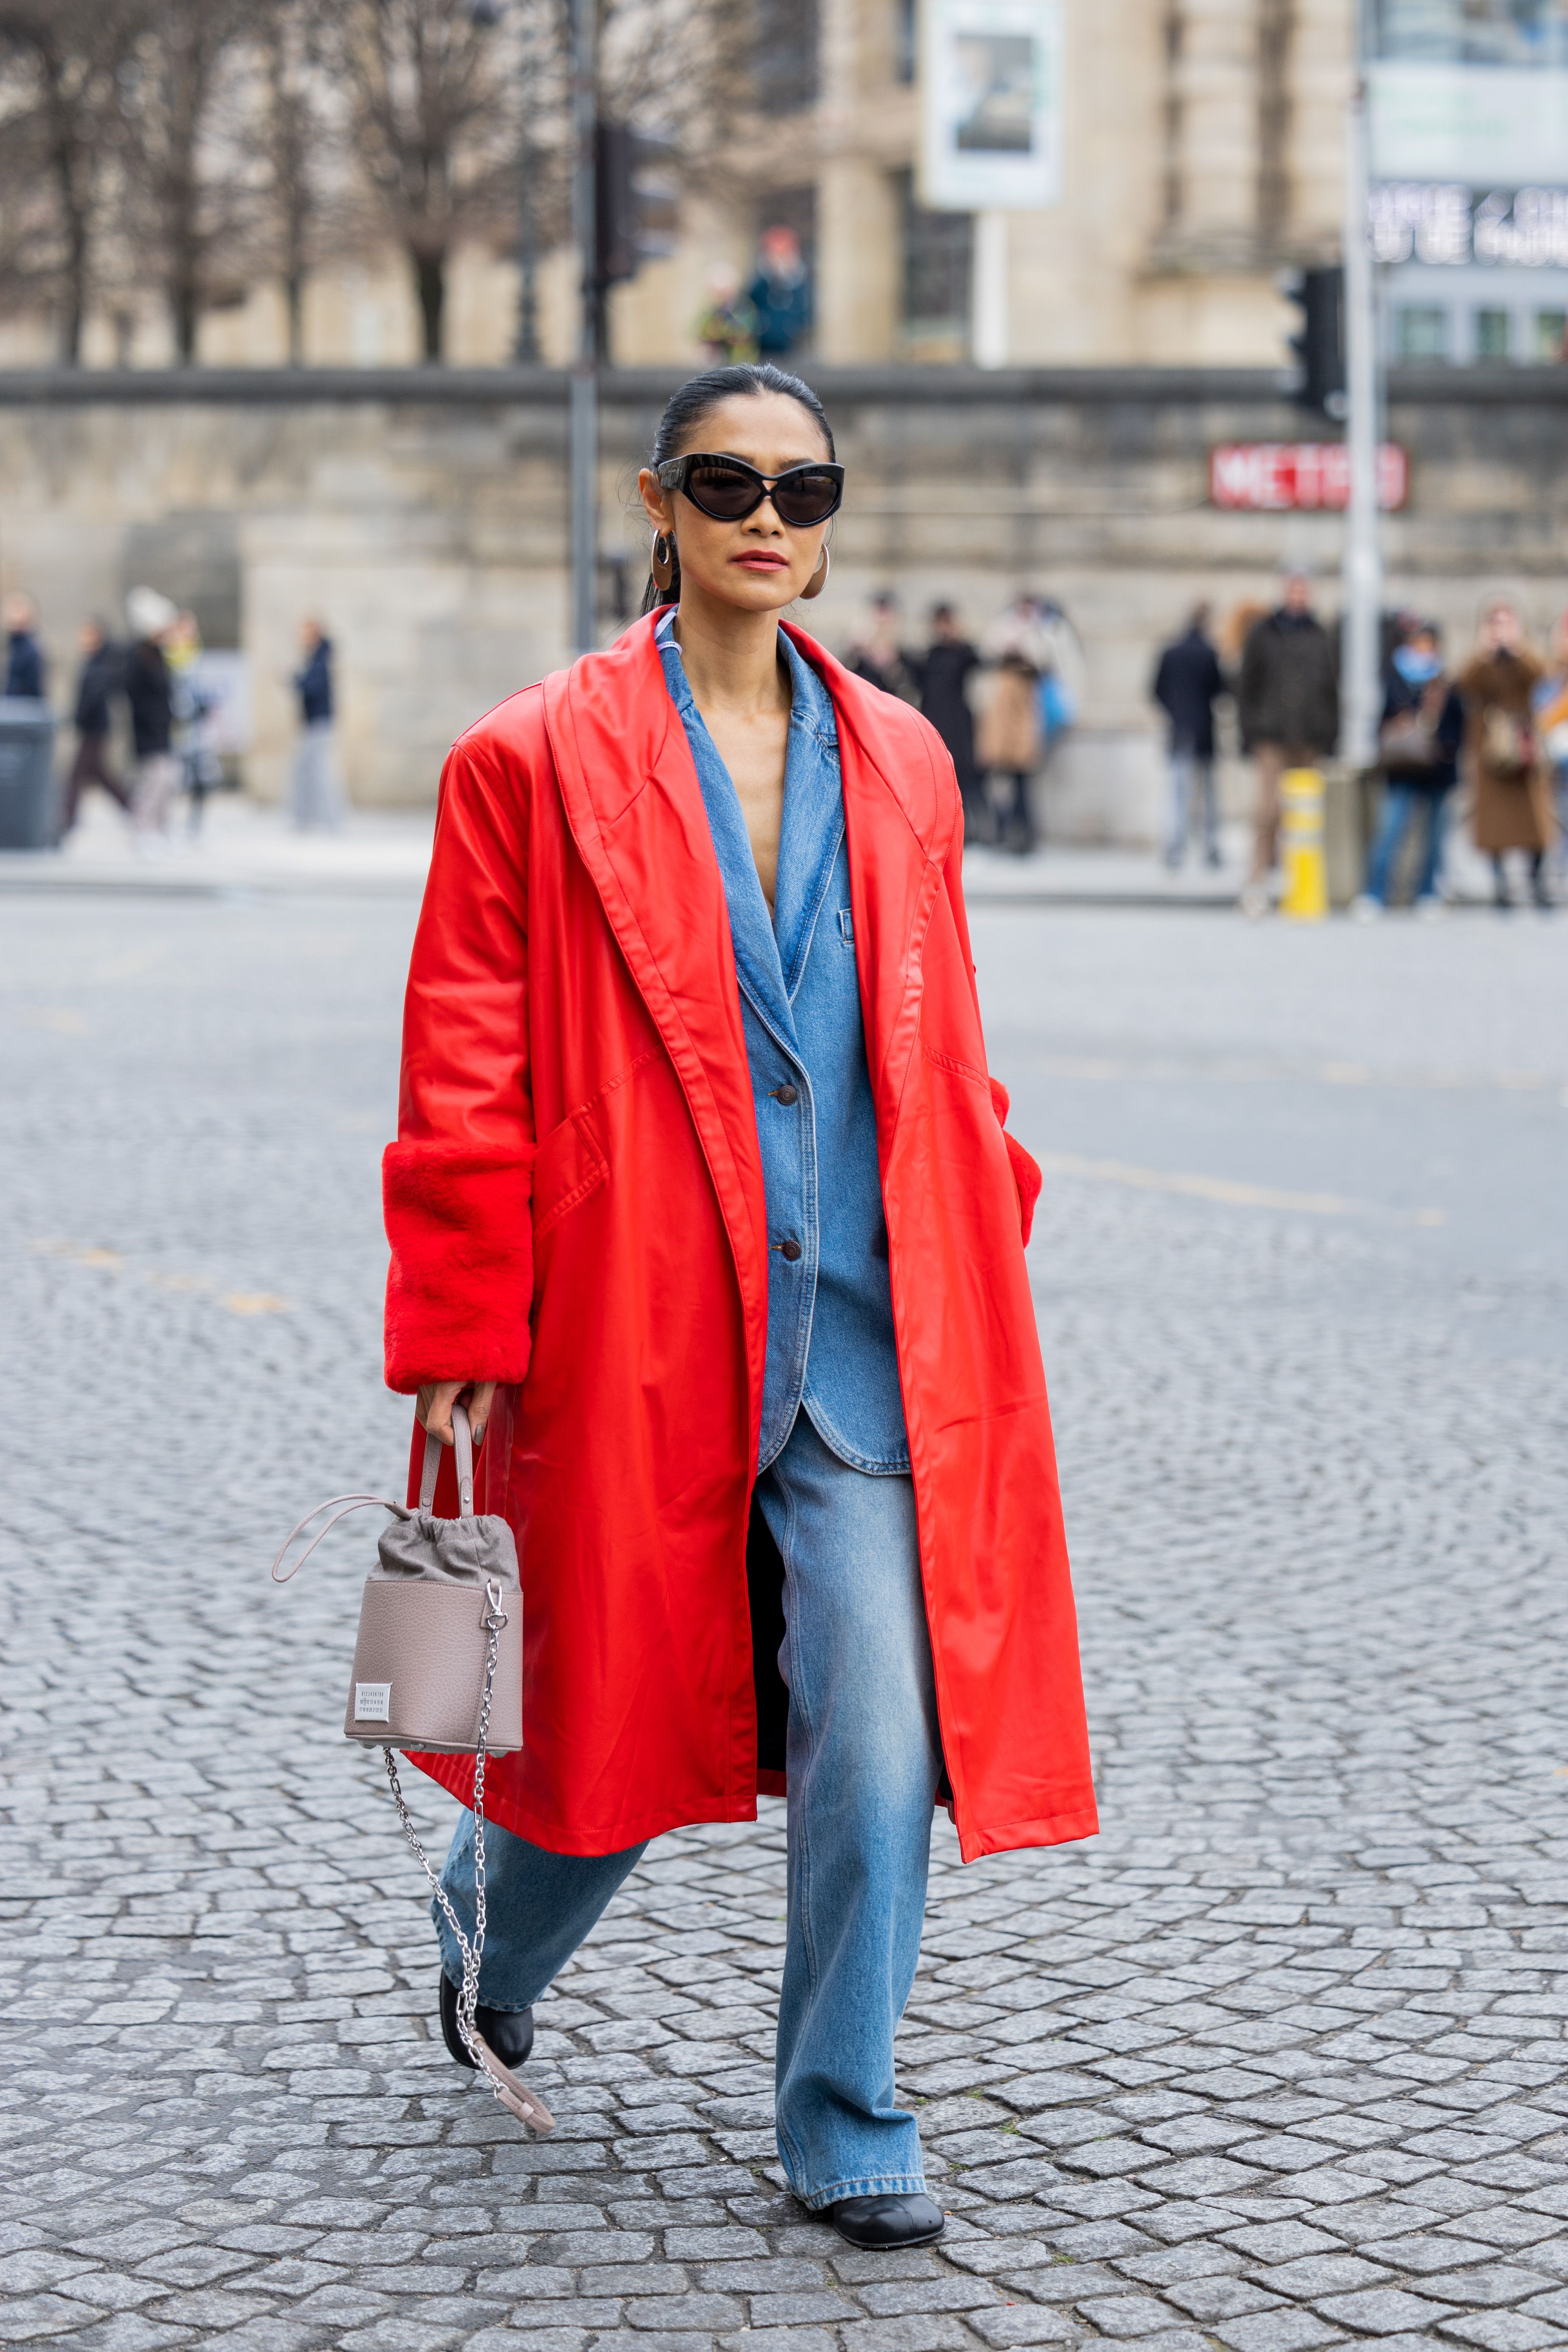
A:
[635,807]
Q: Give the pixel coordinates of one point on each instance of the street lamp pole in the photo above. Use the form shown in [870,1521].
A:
[1362,561]
[584,369]
[526,350]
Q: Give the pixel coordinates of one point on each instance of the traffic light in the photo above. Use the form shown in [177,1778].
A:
[1319,345]
[636,201]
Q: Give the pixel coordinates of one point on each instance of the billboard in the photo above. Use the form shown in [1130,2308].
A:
[1481,126]
[991,109]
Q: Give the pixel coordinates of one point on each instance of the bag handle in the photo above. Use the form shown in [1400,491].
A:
[434,1449]
[342,1506]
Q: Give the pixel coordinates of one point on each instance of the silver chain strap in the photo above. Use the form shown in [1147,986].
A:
[493,1621]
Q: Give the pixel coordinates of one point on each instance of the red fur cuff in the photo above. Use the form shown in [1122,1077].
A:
[1027,1176]
[460,1282]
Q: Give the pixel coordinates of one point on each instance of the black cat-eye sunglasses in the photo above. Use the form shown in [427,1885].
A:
[728,490]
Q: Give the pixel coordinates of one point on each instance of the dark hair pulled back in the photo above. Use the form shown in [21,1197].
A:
[688,408]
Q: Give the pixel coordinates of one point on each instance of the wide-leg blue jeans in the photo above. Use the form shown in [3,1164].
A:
[864,1758]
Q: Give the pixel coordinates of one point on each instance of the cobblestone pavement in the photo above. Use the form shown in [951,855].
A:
[1275,2064]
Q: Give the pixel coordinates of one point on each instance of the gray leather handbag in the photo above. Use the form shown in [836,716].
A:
[439,1649]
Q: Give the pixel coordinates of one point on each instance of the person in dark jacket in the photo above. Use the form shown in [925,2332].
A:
[941,673]
[1288,701]
[1187,684]
[1422,728]
[876,655]
[315,794]
[26,673]
[780,293]
[149,689]
[95,687]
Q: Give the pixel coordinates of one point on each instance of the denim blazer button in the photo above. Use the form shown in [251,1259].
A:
[786,1095]
[790,1249]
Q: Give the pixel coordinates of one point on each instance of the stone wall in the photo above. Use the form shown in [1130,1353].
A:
[422,515]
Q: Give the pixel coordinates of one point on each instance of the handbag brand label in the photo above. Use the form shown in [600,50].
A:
[373,1702]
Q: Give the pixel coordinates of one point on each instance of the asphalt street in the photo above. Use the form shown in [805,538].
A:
[1275,2064]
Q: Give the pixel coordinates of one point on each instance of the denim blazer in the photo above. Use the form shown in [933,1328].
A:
[831,1343]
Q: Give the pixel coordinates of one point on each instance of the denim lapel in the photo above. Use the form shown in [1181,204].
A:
[757,964]
[813,818]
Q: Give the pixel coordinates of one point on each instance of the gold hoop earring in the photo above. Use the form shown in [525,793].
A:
[662,561]
[819,579]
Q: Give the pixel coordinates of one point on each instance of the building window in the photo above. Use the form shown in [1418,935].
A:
[906,40]
[787,55]
[938,251]
[1492,334]
[1551,334]
[1420,332]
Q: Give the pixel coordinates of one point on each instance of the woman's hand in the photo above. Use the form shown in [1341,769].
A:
[433,1407]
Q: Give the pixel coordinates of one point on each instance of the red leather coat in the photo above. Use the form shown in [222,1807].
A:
[574,1204]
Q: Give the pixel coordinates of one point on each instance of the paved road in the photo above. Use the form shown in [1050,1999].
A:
[1277,2063]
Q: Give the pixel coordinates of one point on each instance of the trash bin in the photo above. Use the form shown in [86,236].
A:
[27,774]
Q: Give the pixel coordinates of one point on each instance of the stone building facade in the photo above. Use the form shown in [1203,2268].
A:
[420,515]
[1200,151]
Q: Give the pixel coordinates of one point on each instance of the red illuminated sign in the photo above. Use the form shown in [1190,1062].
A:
[1300,477]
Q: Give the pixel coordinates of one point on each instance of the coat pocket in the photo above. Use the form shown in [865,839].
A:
[570,1166]
[574,1157]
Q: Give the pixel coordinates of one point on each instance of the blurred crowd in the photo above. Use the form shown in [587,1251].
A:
[1486,736]
[150,680]
[1490,733]
[1001,705]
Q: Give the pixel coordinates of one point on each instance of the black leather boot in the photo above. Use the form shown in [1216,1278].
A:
[507,2031]
[887,2220]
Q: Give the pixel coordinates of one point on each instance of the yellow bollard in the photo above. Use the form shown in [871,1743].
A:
[1306,893]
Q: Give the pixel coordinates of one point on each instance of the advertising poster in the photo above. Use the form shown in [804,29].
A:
[990,104]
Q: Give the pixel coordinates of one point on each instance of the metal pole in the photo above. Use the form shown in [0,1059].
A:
[526,350]
[1363,583]
[585,371]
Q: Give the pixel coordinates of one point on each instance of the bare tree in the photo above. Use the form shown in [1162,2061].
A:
[293,136]
[196,200]
[60,63]
[435,117]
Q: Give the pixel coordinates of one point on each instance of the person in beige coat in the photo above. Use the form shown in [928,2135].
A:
[1020,648]
[1511,792]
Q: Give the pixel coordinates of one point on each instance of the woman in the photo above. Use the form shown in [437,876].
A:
[1011,742]
[699,1162]
[1418,741]
[1512,802]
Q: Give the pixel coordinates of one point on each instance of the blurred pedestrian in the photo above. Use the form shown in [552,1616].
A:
[1418,743]
[1550,702]
[727,327]
[942,674]
[1510,798]
[876,655]
[315,794]
[780,293]
[96,685]
[1010,743]
[27,672]
[201,770]
[1288,699]
[149,689]
[1188,682]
